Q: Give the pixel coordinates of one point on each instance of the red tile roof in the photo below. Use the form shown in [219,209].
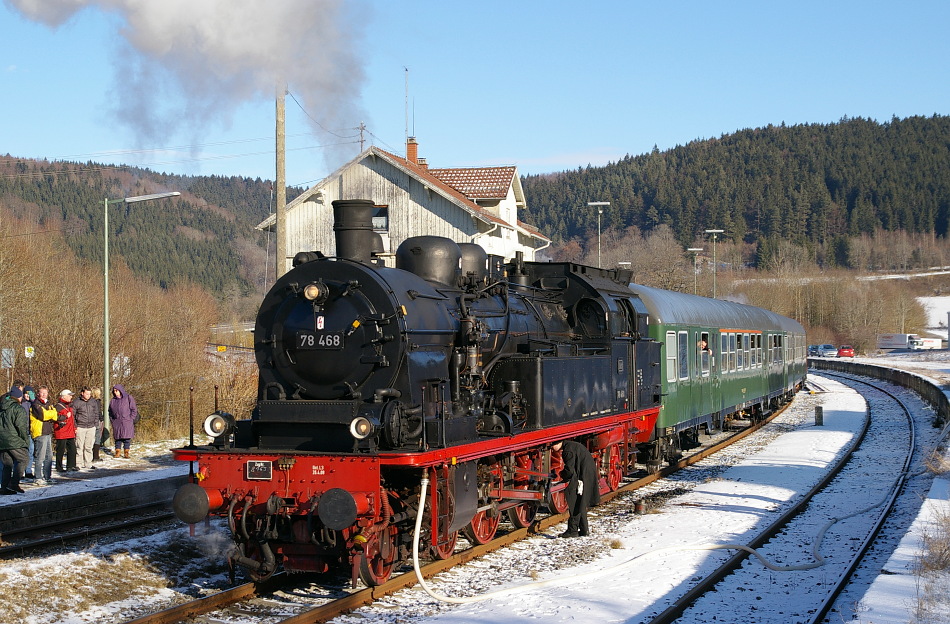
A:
[478,182]
[431,180]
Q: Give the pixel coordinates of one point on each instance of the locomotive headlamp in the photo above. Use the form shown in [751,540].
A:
[316,291]
[219,424]
[361,428]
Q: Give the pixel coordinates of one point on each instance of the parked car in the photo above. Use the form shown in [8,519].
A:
[812,350]
[846,351]
[827,350]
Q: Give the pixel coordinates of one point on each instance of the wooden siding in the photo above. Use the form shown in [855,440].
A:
[414,210]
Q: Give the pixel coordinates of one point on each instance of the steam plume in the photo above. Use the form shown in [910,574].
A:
[219,54]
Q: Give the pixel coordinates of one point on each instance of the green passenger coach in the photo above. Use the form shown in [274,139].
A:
[721,361]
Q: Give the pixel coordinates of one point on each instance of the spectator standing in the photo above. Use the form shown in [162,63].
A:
[87,413]
[124,414]
[14,433]
[17,385]
[42,416]
[97,397]
[29,395]
[64,432]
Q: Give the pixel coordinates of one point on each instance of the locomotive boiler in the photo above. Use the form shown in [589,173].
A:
[454,365]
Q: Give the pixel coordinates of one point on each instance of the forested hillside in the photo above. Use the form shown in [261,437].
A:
[818,186]
[206,236]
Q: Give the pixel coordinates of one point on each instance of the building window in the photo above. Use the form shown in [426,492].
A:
[381,219]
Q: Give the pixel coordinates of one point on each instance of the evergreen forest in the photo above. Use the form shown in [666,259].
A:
[817,186]
[855,195]
[205,237]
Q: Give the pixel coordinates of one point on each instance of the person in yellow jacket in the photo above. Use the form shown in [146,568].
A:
[42,416]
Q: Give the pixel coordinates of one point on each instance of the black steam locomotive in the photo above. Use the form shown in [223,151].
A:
[454,365]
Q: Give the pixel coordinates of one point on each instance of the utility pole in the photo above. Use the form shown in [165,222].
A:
[695,251]
[715,267]
[600,211]
[280,212]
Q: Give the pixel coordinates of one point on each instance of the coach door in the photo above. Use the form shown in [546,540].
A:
[703,376]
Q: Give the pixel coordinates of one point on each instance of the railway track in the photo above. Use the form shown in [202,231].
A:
[241,598]
[23,541]
[821,507]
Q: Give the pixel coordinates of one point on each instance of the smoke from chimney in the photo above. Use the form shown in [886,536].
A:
[220,54]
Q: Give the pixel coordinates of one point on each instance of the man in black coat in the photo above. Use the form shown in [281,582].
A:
[583,490]
[14,433]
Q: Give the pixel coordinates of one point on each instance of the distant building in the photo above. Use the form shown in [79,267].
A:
[471,205]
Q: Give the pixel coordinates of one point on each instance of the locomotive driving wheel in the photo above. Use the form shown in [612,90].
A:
[482,528]
[523,514]
[557,501]
[379,557]
[613,466]
[441,512]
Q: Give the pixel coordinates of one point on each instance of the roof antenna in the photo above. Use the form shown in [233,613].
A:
[407,105]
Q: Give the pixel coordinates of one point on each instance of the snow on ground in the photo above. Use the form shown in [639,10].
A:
[901,590]
[149,461]
[937,309]
[655,560]
[620,574]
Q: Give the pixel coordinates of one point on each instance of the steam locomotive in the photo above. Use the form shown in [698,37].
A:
[464,369]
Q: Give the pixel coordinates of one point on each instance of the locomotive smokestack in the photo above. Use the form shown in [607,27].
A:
[353,230]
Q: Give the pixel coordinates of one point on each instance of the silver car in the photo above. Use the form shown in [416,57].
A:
[827,350]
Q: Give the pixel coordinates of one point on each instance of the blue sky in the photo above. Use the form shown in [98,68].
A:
[546,86]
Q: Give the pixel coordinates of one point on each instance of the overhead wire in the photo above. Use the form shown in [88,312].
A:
[314,120]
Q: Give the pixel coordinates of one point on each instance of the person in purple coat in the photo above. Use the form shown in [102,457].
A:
[123,414]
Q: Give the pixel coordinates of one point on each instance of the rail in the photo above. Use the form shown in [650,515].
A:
[932,393]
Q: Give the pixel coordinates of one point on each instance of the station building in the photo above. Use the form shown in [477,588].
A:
[471,205]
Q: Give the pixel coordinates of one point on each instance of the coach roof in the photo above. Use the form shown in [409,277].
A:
[667,307]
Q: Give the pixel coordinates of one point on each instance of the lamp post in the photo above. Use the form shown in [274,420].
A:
[106,388]
[600,211]
[695,251]
[715,267]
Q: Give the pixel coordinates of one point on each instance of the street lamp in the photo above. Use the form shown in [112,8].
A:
[714,233]
[600,211]
[695,251]
[106,388]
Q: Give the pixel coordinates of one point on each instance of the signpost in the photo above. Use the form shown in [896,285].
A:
[29,352]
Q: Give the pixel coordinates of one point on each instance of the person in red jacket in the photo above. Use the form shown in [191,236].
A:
[64,432]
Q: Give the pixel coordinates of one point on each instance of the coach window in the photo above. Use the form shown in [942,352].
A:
[671,356]
[745,348]
[740,359]
[683,355]
[724,352]
[705,353]
[732,352]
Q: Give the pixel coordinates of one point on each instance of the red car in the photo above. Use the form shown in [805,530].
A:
[846,351]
